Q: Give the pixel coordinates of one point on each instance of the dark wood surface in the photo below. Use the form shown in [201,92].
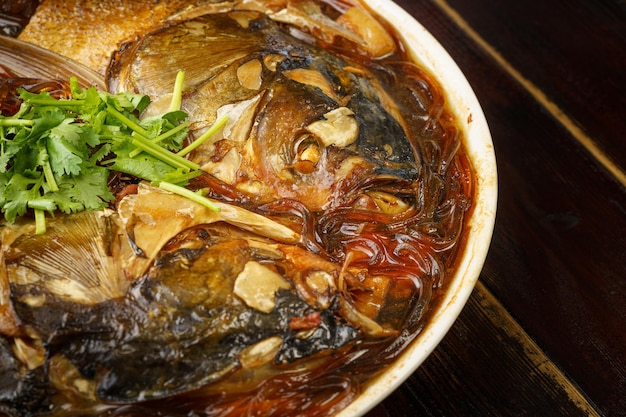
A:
[544,333]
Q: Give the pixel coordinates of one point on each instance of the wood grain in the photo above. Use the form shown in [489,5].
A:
[557,261]
[573,51]
[488,366]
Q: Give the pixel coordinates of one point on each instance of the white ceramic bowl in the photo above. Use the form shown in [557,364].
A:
[463,103]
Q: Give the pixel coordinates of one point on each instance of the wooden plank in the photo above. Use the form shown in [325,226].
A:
[558,257]
[572,52]
[487,366]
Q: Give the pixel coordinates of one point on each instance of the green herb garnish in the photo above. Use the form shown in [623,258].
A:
[57,154]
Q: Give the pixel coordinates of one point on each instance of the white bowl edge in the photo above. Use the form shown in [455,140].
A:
[478,144]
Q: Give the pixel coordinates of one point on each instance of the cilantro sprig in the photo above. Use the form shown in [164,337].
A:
[57,154]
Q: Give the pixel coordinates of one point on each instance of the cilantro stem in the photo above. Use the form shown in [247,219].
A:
[170,132]
[183,178]
[16,122]
[163,136]
[74,87]
[177,95]
[204,137]
[40,222]
[132,125]
[163,154]
[54,102]
[49,176]
[184,192]
[39,208]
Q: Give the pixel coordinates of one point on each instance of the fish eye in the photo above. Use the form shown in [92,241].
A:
[307,152]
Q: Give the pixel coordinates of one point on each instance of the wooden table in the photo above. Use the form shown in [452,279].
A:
[544,333]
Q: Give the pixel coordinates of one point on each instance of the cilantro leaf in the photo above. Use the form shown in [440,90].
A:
[141,166]
[18,191]
[87,191]
[58,154]
[65,150]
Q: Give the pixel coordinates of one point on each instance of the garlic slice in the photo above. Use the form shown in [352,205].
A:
[339,128]
[257,285]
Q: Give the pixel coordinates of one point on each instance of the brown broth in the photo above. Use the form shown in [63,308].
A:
[15,14]
[9,84]
[431,235]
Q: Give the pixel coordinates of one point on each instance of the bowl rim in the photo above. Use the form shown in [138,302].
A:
[463,103]
[29,60]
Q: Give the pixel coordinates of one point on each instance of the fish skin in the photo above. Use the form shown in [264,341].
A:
[88,31]
[178,328]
